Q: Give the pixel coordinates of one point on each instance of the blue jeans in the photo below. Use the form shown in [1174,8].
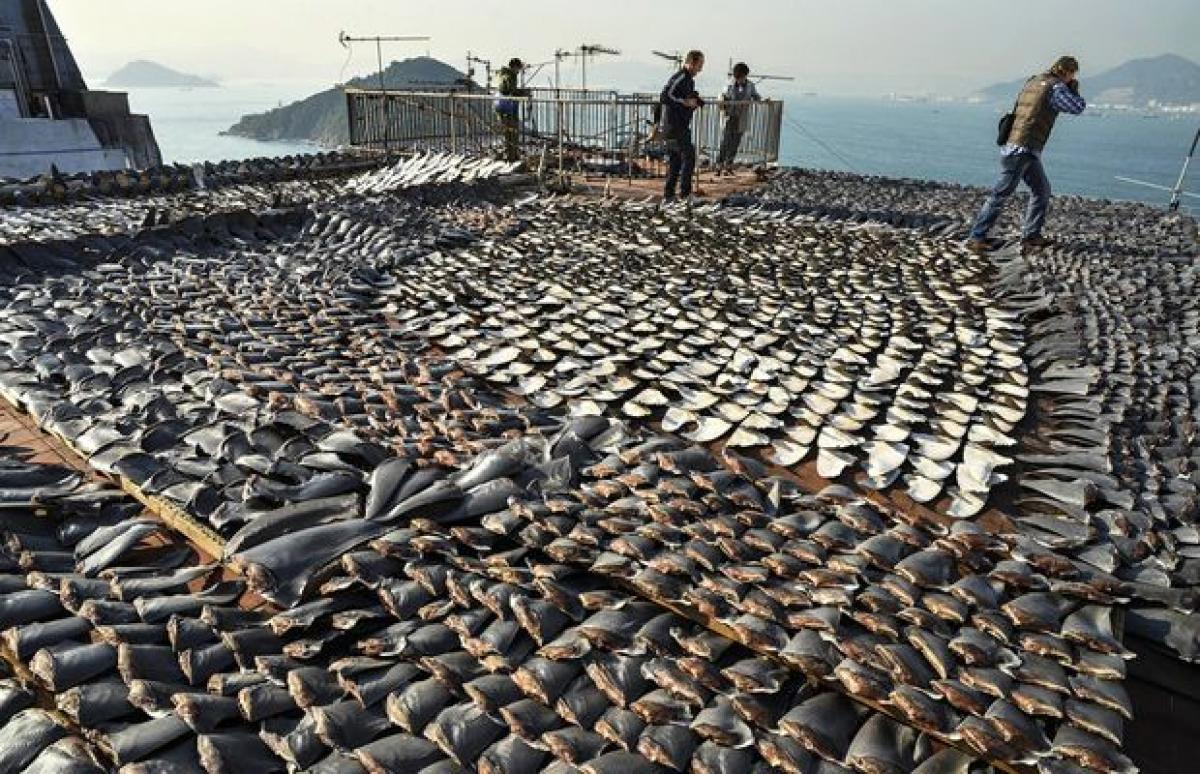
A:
[681,163]
[1013,169]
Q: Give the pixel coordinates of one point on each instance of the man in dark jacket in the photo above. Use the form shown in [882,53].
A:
[508,109]
[1038,105]
[679,100]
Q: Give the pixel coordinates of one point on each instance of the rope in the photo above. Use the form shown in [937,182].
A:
[800,128]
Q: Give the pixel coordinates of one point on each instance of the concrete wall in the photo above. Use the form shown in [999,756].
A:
[9,107]
[108,113]
[28,146]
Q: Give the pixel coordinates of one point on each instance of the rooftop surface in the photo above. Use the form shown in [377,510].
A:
[512,480]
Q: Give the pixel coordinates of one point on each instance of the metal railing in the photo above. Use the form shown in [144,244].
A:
[593,132]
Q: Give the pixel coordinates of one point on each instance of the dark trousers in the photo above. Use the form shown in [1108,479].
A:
[730,142]
[681,164]
[511,125]
[1013,169]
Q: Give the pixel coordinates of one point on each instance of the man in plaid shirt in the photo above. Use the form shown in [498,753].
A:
[1038,105]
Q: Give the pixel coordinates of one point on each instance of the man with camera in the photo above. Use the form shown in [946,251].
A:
[1023,135]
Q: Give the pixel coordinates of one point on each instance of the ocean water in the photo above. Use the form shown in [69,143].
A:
[188,122]
[953,142]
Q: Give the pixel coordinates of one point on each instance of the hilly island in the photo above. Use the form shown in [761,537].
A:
[321,118]
[1160,80]
[145,74]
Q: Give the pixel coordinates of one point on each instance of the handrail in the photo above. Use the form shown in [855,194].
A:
[601,132]
[619,99]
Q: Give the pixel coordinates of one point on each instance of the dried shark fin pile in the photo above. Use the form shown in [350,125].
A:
[943,626]
[431,648]
[531,606]
[1104,468]
[438,168]
[516,480]
[157,372]
[1080,224]
[38,239]
[804,343]
[172,178]
[1117,372]
[24,230]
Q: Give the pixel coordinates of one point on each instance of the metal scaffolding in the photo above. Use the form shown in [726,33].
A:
[571,130]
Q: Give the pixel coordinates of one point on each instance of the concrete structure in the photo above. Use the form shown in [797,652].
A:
[28,146]
[48,115]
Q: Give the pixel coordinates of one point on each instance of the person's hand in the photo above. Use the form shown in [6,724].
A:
[1073,85]
[692,102]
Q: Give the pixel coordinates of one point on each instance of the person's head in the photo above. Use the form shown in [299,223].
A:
[516,64]
[694,62]
[741,71]
[1065,67]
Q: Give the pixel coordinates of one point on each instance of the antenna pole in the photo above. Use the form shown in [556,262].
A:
[674,57]
[473,60]
[379,40]
[379,58]
[1177,191]
[558,57]
[586,50]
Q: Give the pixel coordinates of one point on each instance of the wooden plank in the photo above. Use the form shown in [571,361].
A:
[203,538]
[200,536]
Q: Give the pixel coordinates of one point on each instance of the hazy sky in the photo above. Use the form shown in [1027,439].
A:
[831,46]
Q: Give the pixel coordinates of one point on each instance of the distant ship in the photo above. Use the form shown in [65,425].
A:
[49,119]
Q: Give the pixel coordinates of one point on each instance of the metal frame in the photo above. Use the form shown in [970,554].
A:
[595,132]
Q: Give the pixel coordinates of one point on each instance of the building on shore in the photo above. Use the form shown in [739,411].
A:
[48,116]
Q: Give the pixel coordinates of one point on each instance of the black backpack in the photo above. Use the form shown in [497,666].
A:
[1004,128]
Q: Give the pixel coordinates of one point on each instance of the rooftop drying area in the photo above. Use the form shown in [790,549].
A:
[414,467]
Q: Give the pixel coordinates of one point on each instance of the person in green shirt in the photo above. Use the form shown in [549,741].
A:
[508,109]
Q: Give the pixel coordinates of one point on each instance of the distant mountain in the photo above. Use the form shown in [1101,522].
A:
[1167,78]
[321,118]
[141,74]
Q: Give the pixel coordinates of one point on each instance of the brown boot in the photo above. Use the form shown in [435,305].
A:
[1036,241]
[980,246]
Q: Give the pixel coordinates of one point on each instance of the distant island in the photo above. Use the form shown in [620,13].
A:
[144,74]
[1162,80]
[321,118]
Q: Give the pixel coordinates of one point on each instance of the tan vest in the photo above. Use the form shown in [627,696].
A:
[1033,118]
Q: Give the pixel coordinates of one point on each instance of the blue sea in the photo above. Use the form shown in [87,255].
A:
[188,122]
[944,141]
[955,142]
